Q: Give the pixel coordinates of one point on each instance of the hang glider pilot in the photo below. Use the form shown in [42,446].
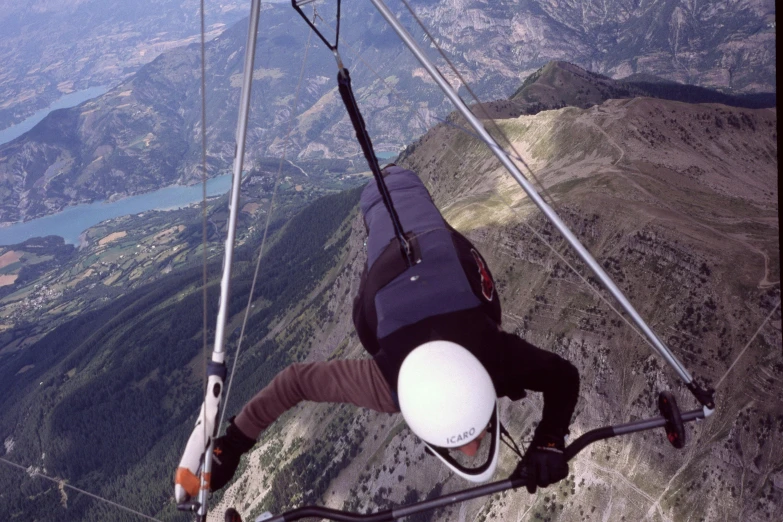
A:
[439,355]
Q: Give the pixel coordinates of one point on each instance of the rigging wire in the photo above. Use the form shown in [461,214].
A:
[266,227]
[480,105]
[504,434]
[769,315]
[61,482]
[204,293]
[518,157]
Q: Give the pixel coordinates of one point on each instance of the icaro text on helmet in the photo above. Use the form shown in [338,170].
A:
[447,399]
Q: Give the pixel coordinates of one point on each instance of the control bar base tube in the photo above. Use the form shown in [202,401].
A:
[622,429]
[479,491]
[474,122]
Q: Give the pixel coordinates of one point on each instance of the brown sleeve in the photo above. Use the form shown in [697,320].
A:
[354,381]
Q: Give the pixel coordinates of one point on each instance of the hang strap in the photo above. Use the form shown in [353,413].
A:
[346,93]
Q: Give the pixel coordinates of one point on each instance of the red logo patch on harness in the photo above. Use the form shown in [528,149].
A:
[487,286]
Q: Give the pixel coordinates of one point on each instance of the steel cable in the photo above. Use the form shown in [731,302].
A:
[266,228]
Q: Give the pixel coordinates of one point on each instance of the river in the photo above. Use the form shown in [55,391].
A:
[74,220]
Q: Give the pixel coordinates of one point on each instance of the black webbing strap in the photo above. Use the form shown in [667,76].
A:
[346,92]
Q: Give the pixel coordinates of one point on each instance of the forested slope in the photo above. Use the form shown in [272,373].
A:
[104,401]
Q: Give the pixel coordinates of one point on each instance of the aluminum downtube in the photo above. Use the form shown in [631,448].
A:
[474,122]
[218,351]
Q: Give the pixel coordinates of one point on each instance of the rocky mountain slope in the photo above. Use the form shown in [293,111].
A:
[144,133]
[679,203]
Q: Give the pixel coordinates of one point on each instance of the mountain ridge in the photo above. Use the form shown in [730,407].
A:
[678,202]
[141,135]
[643,183]
[699,262]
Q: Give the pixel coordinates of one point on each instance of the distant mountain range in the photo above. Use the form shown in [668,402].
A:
[143,134]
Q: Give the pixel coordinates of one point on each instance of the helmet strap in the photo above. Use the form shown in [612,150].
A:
[471,473]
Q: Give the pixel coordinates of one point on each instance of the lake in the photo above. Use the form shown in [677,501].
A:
[74,220]
[386,156]
[69,100]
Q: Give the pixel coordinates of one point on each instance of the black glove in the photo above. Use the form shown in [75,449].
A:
[226,452]
[544,463]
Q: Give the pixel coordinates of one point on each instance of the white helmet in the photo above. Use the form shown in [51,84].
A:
[447,398]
